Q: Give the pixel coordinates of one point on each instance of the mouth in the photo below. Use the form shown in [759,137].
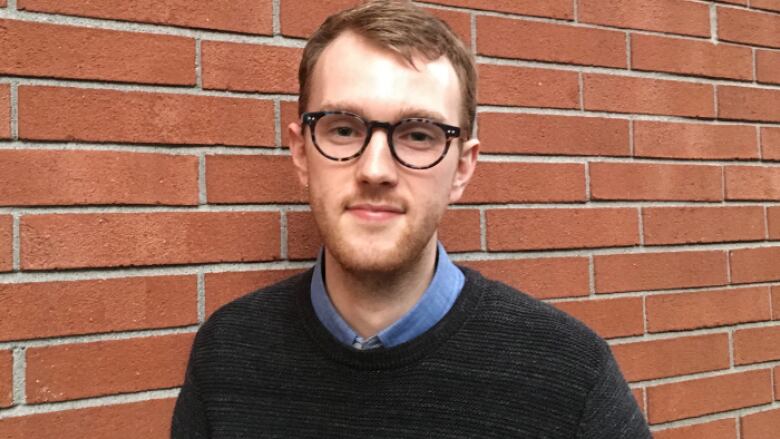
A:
[375,212]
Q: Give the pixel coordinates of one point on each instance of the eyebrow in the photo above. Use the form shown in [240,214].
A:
[404,113]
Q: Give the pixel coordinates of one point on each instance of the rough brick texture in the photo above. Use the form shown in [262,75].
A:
[629,174]
[73,371]
[33,49]
[68,114]
[110,240]
[680,311]
[34,177]
[246,16]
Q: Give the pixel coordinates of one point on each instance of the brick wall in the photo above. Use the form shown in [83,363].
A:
[630,176]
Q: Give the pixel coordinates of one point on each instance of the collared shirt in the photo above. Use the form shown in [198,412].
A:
[437,299]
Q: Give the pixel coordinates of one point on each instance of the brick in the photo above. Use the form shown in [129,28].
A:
[647,360]
[252,179]
[540,229]
[776,304]
[752,183]
[768,66]
[74,371]
[222,288]
[6,243]
[650,181]
[459,22]
[687,399]
[528,87]
[95,115]
[250,67]
[51,309]
[245,16]
[720,429]
[672,16]
[48,50]
[2,3]
[756,345]
[657,271]
[743,103]
[682,225]
[776,379]
[160,238]
[639,396]
[773,222]
[533,40]
[554,135]
[771,5]
[749,27]
[706,309]
[39,178]
[694,141]
[554,8]
[289,114]
[543,278]
[755,265]
[459,231]
[624,94]
[6,378]
[610,318]
[300,18]
[147,419]
[689,57]
[5,111]
[519,182]
[761,425]
[770,143]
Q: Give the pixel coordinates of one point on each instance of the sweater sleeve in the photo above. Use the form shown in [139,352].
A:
[189,415]
[610,410]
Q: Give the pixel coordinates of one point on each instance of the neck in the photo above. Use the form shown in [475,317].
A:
[370,302]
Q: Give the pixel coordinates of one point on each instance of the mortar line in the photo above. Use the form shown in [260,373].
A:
[201,303]
[645,326]
[473,29]
[588,195]
[283,234]
[92,338]
[730,334]
[631,138]
[19,376]
[581,85]
[16,242]
[766,223]
[14,95]
[738,420]
[198,64]
[755,72]
[641,225]
[276,21]
[202,195]
[713,23]
[723,191]
[575,11]
[592,276]
[629,61]
[278,123]
[483,229]
[102,401]
[10,5]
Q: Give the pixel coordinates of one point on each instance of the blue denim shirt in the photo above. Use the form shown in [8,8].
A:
[437,299]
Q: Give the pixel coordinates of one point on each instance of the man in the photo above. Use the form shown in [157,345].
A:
[385,336]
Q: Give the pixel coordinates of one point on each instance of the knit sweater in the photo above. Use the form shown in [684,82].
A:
[500,364]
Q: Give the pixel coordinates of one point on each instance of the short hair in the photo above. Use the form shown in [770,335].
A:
[405,29]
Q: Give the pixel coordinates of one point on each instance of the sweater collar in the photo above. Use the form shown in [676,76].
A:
[435,302]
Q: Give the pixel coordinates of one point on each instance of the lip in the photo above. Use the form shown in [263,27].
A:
[375,212]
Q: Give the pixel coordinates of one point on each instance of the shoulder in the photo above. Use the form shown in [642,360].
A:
[515,317]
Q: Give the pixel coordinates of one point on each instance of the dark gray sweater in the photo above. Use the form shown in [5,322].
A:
[500,364]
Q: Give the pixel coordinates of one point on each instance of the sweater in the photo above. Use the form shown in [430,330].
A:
[500,364]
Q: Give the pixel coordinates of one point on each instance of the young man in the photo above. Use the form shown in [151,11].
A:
[385,336]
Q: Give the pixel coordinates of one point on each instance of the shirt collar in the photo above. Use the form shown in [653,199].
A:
[435,302]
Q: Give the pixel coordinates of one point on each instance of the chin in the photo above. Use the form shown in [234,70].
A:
[376,255]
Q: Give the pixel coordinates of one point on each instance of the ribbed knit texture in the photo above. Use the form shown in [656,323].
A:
[500,364]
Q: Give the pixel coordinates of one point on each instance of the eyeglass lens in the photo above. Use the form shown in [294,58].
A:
[417,142]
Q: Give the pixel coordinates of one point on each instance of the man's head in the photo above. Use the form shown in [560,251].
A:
[374,213]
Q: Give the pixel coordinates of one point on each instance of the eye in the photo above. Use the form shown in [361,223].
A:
[419,136]
[343,131]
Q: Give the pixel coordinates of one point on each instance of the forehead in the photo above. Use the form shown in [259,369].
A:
[354,72]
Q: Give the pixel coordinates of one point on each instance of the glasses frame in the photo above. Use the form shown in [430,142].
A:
[311,118]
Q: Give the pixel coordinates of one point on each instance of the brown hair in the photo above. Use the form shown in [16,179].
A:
[401,27]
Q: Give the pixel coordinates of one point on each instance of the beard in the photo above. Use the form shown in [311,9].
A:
[380,252]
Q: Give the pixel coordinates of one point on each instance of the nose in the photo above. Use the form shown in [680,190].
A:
[376,165]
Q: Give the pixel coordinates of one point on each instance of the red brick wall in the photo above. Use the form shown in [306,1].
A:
[630,176]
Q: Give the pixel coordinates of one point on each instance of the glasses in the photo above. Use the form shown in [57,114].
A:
[415,143]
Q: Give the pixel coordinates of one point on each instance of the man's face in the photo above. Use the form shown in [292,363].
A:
[374,214]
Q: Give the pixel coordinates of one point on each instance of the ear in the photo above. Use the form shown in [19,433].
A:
[298,151]
[467,162]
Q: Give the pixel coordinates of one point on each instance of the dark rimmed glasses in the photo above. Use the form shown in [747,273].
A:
[416,143]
